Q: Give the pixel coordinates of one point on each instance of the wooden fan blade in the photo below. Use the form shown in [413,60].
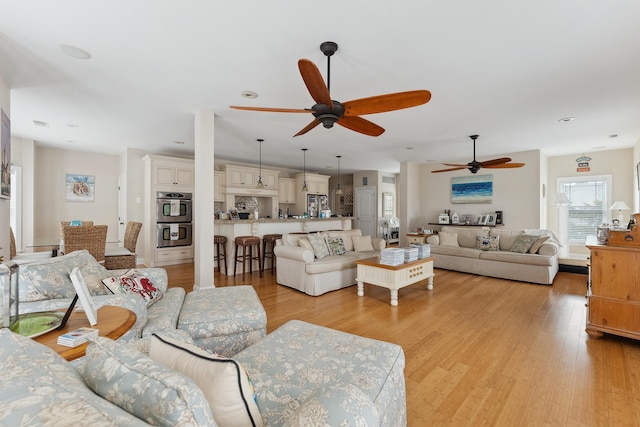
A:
[315,83]
[494,162]
[505,165]
[361,125]
[456,165]
[388,102]
[272,110]
[308,127]
[451,169]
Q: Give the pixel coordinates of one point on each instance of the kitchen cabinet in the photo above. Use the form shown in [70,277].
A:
[613,292]
[317,184]
[287,190]
[179,176]
[218,186]
[247,177]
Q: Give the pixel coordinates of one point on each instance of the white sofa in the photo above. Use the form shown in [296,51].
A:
[299,268]
[461,252]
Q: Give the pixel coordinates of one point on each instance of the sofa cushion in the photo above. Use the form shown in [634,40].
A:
[455,251]
[49,278]
[517,258]
[141,386]
[346,236]
[488,243]
[523,243]
[132,282]
[337,262]
[320,249]
[223,381]
[362,243]
[292,238]
[335,245]
[449,239]
[164,314]
[304,243]
[507,237]
[38,387]
[92,274]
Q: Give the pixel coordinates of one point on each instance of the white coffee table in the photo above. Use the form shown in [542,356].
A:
[393,277]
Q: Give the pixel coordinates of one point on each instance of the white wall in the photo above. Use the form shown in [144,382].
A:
[4,203]
[516,192]
[52,165]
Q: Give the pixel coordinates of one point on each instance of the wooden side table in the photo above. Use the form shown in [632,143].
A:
[113,322]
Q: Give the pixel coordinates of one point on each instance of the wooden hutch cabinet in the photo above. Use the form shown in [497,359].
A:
[613,295]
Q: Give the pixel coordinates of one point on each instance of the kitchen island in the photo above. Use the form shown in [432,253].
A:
[259,227]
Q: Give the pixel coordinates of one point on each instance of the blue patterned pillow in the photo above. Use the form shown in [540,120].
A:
[319,244]
[336,245]
[487,243]
[142,387]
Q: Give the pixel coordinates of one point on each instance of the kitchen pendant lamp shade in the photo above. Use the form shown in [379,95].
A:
[339,188]
[260,184]
[304,166]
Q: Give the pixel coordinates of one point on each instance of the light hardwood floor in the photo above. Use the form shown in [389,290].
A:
[479,351]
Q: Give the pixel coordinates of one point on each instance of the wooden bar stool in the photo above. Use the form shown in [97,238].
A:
[247,242]
[268,243]
[221,252]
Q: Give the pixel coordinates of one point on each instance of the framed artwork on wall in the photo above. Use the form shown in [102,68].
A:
[472,189]
[491,219]
[80,188]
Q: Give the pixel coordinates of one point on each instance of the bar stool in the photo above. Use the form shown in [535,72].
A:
[247,242]
[221,251]
[268,243]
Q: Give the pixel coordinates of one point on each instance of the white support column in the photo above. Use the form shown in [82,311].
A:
[203,199]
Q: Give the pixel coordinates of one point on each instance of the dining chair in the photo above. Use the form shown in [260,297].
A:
[93,238]
[24,258]
[124,256]
[68,223]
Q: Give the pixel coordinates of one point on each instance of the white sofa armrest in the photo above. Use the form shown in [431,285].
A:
[434,240]
[294,252]
[378,243]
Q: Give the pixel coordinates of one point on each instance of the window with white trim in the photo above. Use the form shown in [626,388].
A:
[590,198]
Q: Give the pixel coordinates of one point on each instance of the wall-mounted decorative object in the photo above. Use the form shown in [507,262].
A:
[80,188]
[5,156]
[472,189]
[491,219]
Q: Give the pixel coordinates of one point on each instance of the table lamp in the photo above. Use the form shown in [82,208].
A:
[619,206]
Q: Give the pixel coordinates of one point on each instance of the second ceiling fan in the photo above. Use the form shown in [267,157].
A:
[347,114]
[474,166]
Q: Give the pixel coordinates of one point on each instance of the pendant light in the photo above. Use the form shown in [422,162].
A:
[304,159]
[338,188]
[260,184]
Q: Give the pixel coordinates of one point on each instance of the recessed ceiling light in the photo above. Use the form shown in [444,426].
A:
[249,94]
[72,125]
[614,135]
[41,123]
[567,119]
[600,147]
[179,142]
[409,148]
[74,52]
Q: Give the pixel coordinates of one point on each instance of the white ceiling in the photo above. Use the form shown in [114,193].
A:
[506,70]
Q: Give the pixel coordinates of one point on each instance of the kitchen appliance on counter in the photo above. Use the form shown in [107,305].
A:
[174,213]
[316,203]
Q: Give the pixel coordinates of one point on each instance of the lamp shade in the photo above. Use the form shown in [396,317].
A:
[619,206]
[561,199]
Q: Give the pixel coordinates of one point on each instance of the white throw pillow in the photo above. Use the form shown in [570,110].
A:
[362,243]
[304,243]
[536,245]
[223,381]
[449,239]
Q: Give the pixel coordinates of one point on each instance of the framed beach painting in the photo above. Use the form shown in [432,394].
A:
[80,188]
[472,189]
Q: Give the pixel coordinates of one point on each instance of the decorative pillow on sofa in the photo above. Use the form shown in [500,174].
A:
[223,381]
[335,245]
[93,274]
[142,387]
[536,245]
[304,243]
[362,243]
[133,282]
[523,243]
[487,243]
[449,239]
[320,249]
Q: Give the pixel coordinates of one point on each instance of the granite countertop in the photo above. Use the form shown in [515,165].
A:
[272,220]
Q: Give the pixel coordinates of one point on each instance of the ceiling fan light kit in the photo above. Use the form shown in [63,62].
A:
[328,112]
[474,166]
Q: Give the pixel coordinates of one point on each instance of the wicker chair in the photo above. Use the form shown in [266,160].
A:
[124,256]
[68,223]
[92,238]
[24,258]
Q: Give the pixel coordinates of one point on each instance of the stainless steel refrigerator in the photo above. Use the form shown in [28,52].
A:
[316,203]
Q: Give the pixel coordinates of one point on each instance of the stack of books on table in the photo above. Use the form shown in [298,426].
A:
[410,254]
[77,337]
[392,256]
[424,249]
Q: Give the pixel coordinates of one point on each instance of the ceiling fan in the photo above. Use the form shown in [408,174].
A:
[475,166]
[347,114]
